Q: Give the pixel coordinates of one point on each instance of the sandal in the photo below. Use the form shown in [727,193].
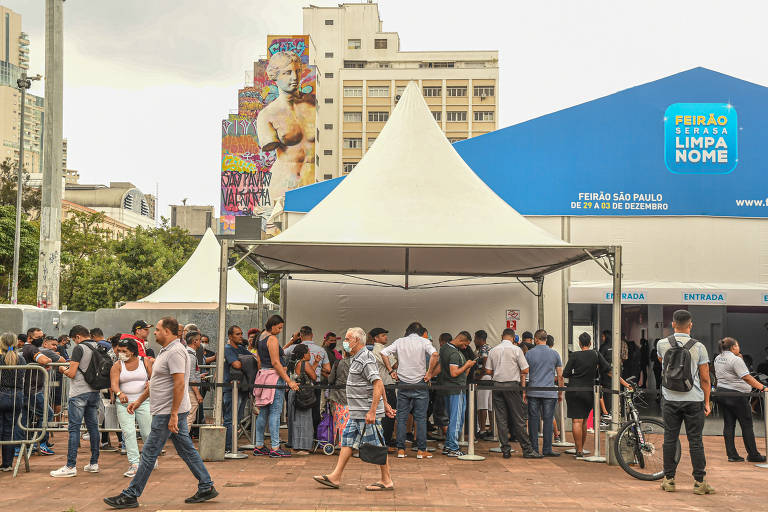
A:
[379,487]
[324,480]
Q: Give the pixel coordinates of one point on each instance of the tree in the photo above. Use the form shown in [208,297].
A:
[30,239]
[30,198]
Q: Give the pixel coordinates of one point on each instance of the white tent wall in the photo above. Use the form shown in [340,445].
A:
[329,306]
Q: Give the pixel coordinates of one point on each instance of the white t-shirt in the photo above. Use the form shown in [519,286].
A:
[698,356]
[729,370]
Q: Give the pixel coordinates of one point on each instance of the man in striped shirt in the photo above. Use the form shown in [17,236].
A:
[367,405]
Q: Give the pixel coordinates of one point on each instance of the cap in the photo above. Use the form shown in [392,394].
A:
[376,331]
[140,324]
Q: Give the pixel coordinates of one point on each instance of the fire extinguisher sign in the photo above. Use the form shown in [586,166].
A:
[513,315]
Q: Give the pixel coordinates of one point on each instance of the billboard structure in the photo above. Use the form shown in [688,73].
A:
[268,147]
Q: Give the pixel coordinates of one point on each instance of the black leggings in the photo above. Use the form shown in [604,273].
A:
[736,408]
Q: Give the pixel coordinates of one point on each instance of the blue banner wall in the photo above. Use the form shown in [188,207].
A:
[694,143]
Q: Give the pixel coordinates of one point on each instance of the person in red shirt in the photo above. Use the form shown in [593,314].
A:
[140,333]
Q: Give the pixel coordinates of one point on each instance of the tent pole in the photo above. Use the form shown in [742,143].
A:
[260,302]
[565,234]
[407,265]
[222,334]
[616,341]
[284,306]
[540,296]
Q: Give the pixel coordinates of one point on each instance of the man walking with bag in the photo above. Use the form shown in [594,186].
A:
[685,388]
[367,405]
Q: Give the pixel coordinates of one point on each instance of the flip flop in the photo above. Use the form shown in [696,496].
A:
[379,487]
[324,480]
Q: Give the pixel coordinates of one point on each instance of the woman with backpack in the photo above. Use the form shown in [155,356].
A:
[129,377]
[733,376]
[301,434]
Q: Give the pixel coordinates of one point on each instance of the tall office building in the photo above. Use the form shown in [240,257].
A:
[14,59]
[364,72]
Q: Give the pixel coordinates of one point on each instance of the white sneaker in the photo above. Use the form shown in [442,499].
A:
[64,472]
[131,471]
[157,464]
[91,468]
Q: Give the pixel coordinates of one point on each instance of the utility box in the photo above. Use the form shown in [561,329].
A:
[211,445]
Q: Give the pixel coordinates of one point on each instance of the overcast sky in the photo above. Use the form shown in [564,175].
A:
[147,82]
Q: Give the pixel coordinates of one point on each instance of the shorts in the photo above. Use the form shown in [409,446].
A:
[579,404]
[484,399]
[352,435]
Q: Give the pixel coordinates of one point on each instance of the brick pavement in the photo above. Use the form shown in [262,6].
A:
[496,484]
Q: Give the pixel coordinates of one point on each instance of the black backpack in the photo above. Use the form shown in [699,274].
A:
[97,373]
[305,397]
[676,372]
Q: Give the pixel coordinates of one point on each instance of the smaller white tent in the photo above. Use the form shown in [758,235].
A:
[197,282]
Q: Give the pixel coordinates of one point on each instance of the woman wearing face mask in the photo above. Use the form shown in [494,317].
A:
[130,376]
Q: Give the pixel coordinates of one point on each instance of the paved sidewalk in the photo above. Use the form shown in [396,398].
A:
[561,484]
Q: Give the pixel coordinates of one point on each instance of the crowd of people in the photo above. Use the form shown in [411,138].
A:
[340,392]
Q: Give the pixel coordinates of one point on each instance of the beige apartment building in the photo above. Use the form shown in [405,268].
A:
[362,72]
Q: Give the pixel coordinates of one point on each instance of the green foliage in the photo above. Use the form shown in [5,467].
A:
[30,199]
[30,236]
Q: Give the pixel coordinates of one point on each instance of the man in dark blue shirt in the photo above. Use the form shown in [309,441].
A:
[232,353]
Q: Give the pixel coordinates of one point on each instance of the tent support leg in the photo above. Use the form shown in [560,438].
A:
[260,301]
[540,296]
[284,305]
[407,265]
[221,342]
[616,341]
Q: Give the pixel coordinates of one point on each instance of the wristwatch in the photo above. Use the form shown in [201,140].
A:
[118,393]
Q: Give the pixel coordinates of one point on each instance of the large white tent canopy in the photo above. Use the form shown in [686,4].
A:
[412,206]
[197,282]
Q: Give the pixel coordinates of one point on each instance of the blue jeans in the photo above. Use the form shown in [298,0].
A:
[270,414]
[416,402]
[457,406]
[184,448]
[11,405]
[544,409]
[226,401]
[35,403]
[85,406]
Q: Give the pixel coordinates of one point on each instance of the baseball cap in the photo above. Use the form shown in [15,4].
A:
[376,331]
[140,324]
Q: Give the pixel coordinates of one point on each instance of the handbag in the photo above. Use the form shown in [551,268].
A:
[371,453]
[304,397]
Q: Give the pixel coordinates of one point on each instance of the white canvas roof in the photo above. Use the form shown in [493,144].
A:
[198,280]
[413,206]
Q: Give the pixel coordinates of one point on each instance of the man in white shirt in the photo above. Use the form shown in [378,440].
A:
[507,367]
[412,353]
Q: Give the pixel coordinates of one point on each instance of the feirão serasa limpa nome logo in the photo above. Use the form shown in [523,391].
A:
[701,138]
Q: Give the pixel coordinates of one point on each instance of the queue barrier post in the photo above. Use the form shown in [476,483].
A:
[596,457]
[471,454]
[562,443]
[235,454]
[765,425]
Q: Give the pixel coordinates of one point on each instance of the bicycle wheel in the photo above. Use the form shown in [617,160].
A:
[644,461]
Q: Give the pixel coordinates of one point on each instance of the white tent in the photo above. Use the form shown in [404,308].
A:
[197,282]
[412,206]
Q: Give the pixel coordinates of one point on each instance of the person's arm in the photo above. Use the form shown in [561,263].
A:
[210,359]
[325,368]
[334,373]
[754,382]
[385,353]
[274,354]
[458,370]
[114,378]
[309,369]
[434,359]
[179,388]
[706,385]
[234,363]
[560,381]
[136,403]
[74,363]
[568,368]
[42,359]
[378,392]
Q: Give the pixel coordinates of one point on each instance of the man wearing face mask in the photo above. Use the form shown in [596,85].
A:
[367,405]
[33,389]
[232,353]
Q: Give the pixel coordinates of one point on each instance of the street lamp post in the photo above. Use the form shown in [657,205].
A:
[23,83]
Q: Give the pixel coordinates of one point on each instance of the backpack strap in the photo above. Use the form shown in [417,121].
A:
[688,346]
[79,366]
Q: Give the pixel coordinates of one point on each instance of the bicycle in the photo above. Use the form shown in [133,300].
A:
[638,444]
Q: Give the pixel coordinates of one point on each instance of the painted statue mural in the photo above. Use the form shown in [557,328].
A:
[268,147]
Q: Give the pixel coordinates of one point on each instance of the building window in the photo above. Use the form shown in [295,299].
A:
[328,55]
[353,44]
[327,176]
[353,91]
[128,202]
[437,115]
[353,117]
[329,100]
[371,140]
[483,116]
[208,220]
[348,166]
[329,22]
[455,92]
[399,90]
[353,143]
[437,65]
[484,90]
[380,44]
[354,64]
[327,152]
[456,116]
[378,91]
[173,216]
[384,65]
[433,92]
[328,126]
[455,139]
[378,117]
[329,75]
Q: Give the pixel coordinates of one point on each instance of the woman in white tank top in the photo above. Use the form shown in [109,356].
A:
[130,376]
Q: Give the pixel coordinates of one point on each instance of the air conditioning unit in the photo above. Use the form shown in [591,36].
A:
[397,98]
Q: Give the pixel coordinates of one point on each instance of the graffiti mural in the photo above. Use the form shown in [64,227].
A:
[268,147]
